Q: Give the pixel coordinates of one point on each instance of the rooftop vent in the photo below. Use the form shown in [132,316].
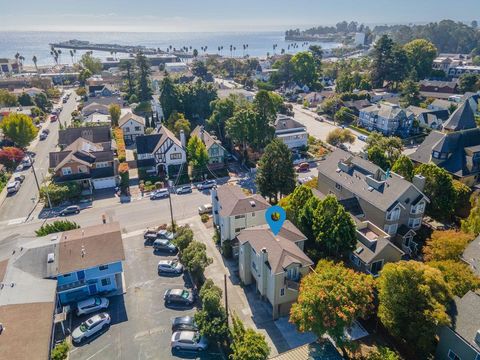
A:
[358,250]
[50,258]
[370,188]
[253,203]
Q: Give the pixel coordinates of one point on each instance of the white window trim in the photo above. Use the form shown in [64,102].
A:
[389,215]
[65,173]
[414,209]
[455,356]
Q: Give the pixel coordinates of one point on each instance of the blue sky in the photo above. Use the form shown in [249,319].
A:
[221,15]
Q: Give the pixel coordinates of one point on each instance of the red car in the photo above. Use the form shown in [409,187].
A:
[303,167]
[53,118]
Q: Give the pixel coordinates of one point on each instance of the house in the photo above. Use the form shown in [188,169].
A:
[456,148]
[357,105]
[275,264]
[86,163]
[48,274]
[233,210]
[291,132]
[95,107]
[216,152]
[106,101]
[132,126]
[31,91]
[97,118]
[225,93]
[313,99]
[461,340]
[8,66]
[386,199]
[436,86]
[161,152]
[95,134]
[441,104]
[25,110]
[387,118]
[105,90]
[378,95]
[471,255]
[427,118]
[374,249]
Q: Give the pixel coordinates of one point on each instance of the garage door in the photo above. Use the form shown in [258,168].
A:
[103,183]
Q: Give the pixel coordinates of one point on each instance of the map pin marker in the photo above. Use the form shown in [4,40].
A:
[275,217]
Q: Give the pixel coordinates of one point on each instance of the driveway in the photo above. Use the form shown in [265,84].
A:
[141,324]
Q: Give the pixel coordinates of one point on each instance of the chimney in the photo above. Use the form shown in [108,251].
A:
[419,182]
[202,135]
[183,139]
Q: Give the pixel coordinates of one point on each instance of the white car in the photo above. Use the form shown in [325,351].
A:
[170,267]
[13,186]
[205,209]
[188,340]
[91,327]
[91,305]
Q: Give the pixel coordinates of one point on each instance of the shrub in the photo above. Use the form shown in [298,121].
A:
[118,136]
[60,193]
[204,218]
[56,226]
[60,351]
[227,249]
[184,237]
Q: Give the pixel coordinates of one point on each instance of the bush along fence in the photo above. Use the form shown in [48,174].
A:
[121,152]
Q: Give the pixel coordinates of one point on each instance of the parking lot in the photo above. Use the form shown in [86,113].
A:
[141,323]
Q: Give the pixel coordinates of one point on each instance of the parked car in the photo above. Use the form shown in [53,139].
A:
[27,162]
[184,190]
[13,187]
[165,234]
[179,296]
[184,323]
[91,327]
[53,118]
[319,118]
[42,136]
[362,137]
[164,245]
[188,340]
[205,209]
[160,194]
[92,304]
[304,166]
[169,267]
[207,184]
[19,178]
[19,167]
[69,210]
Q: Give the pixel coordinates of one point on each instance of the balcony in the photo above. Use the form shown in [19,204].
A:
[292,284]
[72,285]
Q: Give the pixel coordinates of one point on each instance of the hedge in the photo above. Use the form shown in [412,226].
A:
[118,136]
[56,226]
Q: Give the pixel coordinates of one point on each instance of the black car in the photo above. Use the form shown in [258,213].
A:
[181,323]
[70,210]
[179,297]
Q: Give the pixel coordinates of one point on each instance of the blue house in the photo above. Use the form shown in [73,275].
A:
[90,262]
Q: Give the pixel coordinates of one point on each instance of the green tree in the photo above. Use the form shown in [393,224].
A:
[144,91]
[403,166]
[181,124]
[7,99]
[317,53]
[168,97]
[60,351]
[471,224]
[298,199]
[413,299]
[83,76]
[330,299]
[19,128]
[439,189]
[127,66]
[222,110]
[247,344]
[469,83]
[261,130]
[183,238]
[421,53]
[333,228]
[60,193]
[383,353]
[275,174]
[378,157]
[410,93]
[25,100]
[197,156]
[115,112]
[304,69]
[42,102]
[462,199]
[458,275]
[195,259]
[340,136]
[390,62]
[391,145]
[212,318]
[237,127]
[331,105]
[90,63]
[344,115]
[306,217]
[445,245]
[195,99]
[56,226]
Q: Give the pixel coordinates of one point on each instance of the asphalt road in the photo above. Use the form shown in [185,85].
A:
[18,206]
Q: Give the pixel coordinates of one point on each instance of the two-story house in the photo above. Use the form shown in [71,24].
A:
[274,264]
[161,152]
[388,119]
[461,340]
[89,164]
[132,126]
[456,148]
[385,199]
[427,118]
[291,132]
[233,210]
[216,152]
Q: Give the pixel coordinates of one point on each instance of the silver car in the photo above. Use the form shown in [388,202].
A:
[188,340]
[91,327]
[91,305]
[170,267]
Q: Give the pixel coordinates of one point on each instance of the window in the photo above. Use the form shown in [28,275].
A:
[394,214]
[453,356]
[237,230]
[292,273]
[391,229]
[66,171]
[175,156]
[106,282]
[419,208]
[82,169]
[66,275]
[137,128]
[414,223]
[436,154]
[338,186]
[126,130]
[103,267]
[239,216]
[102,164]
[376,267]
[253,214]
[282,291]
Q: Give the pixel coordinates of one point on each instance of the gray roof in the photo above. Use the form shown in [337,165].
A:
[441,103]
[371,249]
[281,248]
[471,255]
[466,317]
[385,110]
[130,116]
[355,180]
[461,119]
[287,123]
[233,201]
[438,83]
[208,139]
[94,134]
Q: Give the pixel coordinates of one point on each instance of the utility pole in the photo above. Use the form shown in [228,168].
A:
[226,295]
[38,185]
[170,202]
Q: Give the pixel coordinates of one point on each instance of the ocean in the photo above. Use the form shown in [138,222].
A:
[28,44]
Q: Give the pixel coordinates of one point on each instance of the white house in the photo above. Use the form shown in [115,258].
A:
[233,210]
[291,132]
[175,67]
[132,126]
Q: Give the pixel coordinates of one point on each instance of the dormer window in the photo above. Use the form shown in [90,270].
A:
[394,214]
[418,209]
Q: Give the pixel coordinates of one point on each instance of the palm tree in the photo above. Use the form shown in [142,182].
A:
[59,54]
[231,50]
[71,55]
[75,52]
[34,59]
[17,56]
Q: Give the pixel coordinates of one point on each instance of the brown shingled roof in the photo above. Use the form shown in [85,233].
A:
[234,201]
[90,247]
